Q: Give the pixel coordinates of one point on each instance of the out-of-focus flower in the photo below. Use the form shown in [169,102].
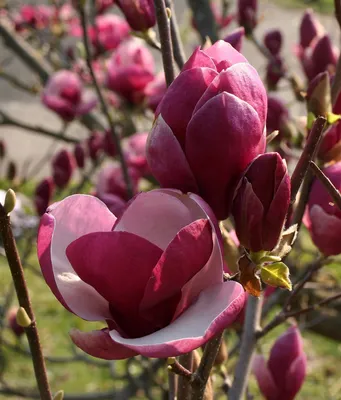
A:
[260,214]
[130,69]
[111,180]
[95,145]
[330,147]
[11,172]
[235,38]
[12,322]
[140,14]
[278,114]
[247,14]
[104,5]
[35,17]
[155,90]
[209,127]
[79,154]
[273,41]
[310,28]
[43,195]
[282,376]
[109,145]
[2,150]
[63,166]
[64,94]
[323,217]
[136,152]
[122,271]
[275,70]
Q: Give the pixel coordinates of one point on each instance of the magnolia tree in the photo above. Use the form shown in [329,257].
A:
[181,231]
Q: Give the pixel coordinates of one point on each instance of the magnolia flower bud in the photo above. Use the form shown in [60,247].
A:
[319,96]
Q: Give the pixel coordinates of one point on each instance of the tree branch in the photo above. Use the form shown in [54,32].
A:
[178,50]
[204,19]
[163,24]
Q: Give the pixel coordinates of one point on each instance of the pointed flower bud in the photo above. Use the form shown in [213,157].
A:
[79,154]
[236,37]
[140,14]
[43,195]
[274,72]
[22,318]
[310,28]
[323,217]
[247,14]
[278,117]
[63,166]
[330,147]
[273,41]
[95,145]
[319,96]
[260,214]
[10,200]
[282,376]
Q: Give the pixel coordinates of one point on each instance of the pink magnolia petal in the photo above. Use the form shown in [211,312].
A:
[171,170]
[62,107]
[159,215]
[185,92]
[295,377]
[209,153]
[215,309]
[89,101]
[223,51]
[243,81]
[74,217]
[264,378]
[211,274]
[99,344]
[118,265]
[198,59]
[184,257]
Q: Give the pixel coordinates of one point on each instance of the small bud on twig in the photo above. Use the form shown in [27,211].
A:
[22,318]
[59,395]
[169,13]
[10,201]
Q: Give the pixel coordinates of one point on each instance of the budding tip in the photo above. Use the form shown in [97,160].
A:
[59,395]
[170,360]
[22,318]
[169,12]
[10,200]
[170,368]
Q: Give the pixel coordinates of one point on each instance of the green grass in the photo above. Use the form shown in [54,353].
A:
[323,6]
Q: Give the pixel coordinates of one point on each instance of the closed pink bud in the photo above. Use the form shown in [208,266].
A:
[130,69]
[323,217]
[64,94]
[247,14]
[79,154]
[274,72]
[95,145]
[261,203]
[324,55]
[103,5]
[282,376]
[12,322]
[121,271]
[43,195]
[155,90]
[140,14]
[273,41]
[236,37]
[209,127]
[63,166]
[109,145]
[278,115]
[319,95]
[109,31]
[310,28]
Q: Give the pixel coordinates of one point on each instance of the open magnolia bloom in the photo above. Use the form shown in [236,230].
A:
[155,275]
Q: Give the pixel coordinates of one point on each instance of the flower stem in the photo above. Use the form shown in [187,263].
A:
[17,272]
[248,343]
[163,24]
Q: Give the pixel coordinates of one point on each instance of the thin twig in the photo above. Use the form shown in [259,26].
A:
[5,119]
[32,89]
[337,10]
[327,183]
[24,301]
[307,155]
[178,49]
[163,24]
[184,387]
[248,343]
[104,106]
[202,374]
